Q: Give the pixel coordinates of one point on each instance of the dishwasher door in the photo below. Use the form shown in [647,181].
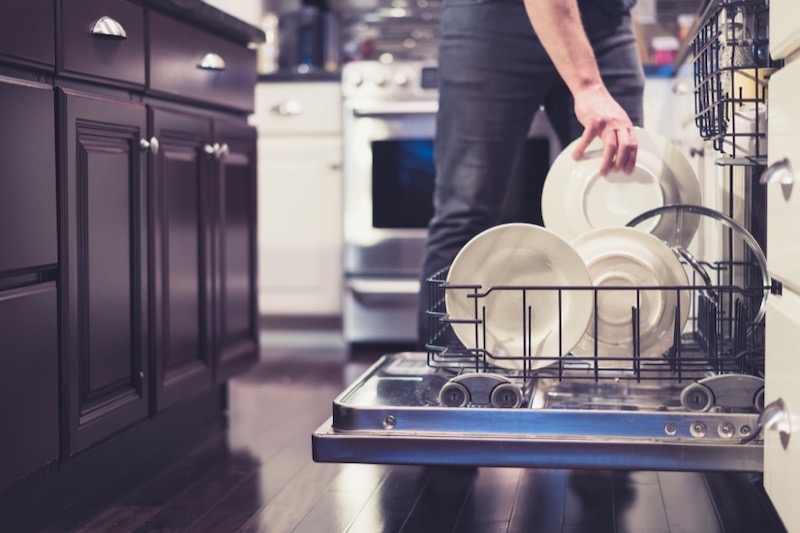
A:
[392,415]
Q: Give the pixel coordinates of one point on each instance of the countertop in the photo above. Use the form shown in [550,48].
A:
[211,18]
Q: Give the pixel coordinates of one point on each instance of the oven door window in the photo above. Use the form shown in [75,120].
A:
[403,174]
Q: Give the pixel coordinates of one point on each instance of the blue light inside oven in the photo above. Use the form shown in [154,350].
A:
[403,175]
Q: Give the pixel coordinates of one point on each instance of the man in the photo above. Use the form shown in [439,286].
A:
[499,62]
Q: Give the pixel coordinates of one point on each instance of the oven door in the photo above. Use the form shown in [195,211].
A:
[389,179]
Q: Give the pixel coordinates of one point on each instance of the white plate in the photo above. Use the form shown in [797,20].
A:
[628,257]
[519,255]
[577,199]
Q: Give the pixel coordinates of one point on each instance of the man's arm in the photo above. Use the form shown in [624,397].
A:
[558,25]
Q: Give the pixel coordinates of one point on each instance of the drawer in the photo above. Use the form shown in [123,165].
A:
[103,38]
[191,63]
[27,32]
[784,28]
[289,108]
[782,455]
[28,379]
[28,185]
[783,214]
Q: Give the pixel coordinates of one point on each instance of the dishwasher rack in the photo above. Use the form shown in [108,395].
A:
[696,407]
[732,66]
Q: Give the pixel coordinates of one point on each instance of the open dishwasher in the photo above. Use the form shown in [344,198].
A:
[698,406]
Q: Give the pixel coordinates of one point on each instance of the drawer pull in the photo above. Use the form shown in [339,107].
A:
[108,27]
[289,108]
[221,151]
[775,417]
[212,61]
[151,145]
[780,171]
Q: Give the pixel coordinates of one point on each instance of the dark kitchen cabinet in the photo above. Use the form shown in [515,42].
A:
[27,33]
[103,39]
[127,223]
[181,251]
[104,275]
[203,190]
[27,176]
[28,380]
[234,216]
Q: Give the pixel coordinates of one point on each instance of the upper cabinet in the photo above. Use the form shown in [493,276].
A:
[103,39]
[27,33]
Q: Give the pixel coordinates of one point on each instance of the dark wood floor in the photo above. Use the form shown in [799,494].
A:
[255,473]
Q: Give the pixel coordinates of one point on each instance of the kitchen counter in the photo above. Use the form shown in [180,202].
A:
[210,18]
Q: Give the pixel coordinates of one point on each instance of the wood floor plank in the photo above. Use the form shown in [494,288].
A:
[491,499]
[741,503]
[687,503]
[390,504]
[441,501]
[294,501]
[540,501]
[589,500]
[639,507]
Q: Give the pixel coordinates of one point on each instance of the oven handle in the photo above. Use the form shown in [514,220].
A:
[377,290]
[404,108]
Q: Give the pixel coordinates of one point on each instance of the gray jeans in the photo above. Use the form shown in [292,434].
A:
[494,75]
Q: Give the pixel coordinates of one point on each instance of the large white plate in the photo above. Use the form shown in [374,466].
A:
[628,257]
[520,255]
[577,199]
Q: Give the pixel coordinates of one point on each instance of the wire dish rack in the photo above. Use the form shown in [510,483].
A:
[732,67]
[722,336]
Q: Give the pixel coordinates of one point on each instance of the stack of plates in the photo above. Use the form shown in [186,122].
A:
[585,245]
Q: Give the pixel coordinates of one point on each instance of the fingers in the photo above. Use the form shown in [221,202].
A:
[589,133]
[620,149]
[627,149]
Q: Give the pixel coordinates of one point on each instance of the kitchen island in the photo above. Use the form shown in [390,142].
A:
[127,206]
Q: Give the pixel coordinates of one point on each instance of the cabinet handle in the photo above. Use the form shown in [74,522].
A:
[210,150]
[221,151]
[289,108]
[212,61]
[775,417]
[780,171]
[108,27]
[151,145]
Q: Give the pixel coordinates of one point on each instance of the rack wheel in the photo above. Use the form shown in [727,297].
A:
[506,396]
[454,395]
[758,400]
[697,398]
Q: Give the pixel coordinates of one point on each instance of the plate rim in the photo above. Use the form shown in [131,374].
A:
[567,344]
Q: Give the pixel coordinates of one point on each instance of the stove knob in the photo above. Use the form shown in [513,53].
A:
[401,79]
[379,81]
[356,80]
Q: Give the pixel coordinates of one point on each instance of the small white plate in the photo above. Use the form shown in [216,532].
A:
[577,199]
[628,257]
[519,255]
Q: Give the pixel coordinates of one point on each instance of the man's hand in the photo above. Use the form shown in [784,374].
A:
[601,116]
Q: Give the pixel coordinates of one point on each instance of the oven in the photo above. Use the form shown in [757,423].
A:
[389,123]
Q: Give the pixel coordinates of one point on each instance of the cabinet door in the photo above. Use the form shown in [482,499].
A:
[104,267]
[236,337]
[181,256]
[784,28]
[28,181]
[28,379]
[783,198]
[782,450]
[300,226]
